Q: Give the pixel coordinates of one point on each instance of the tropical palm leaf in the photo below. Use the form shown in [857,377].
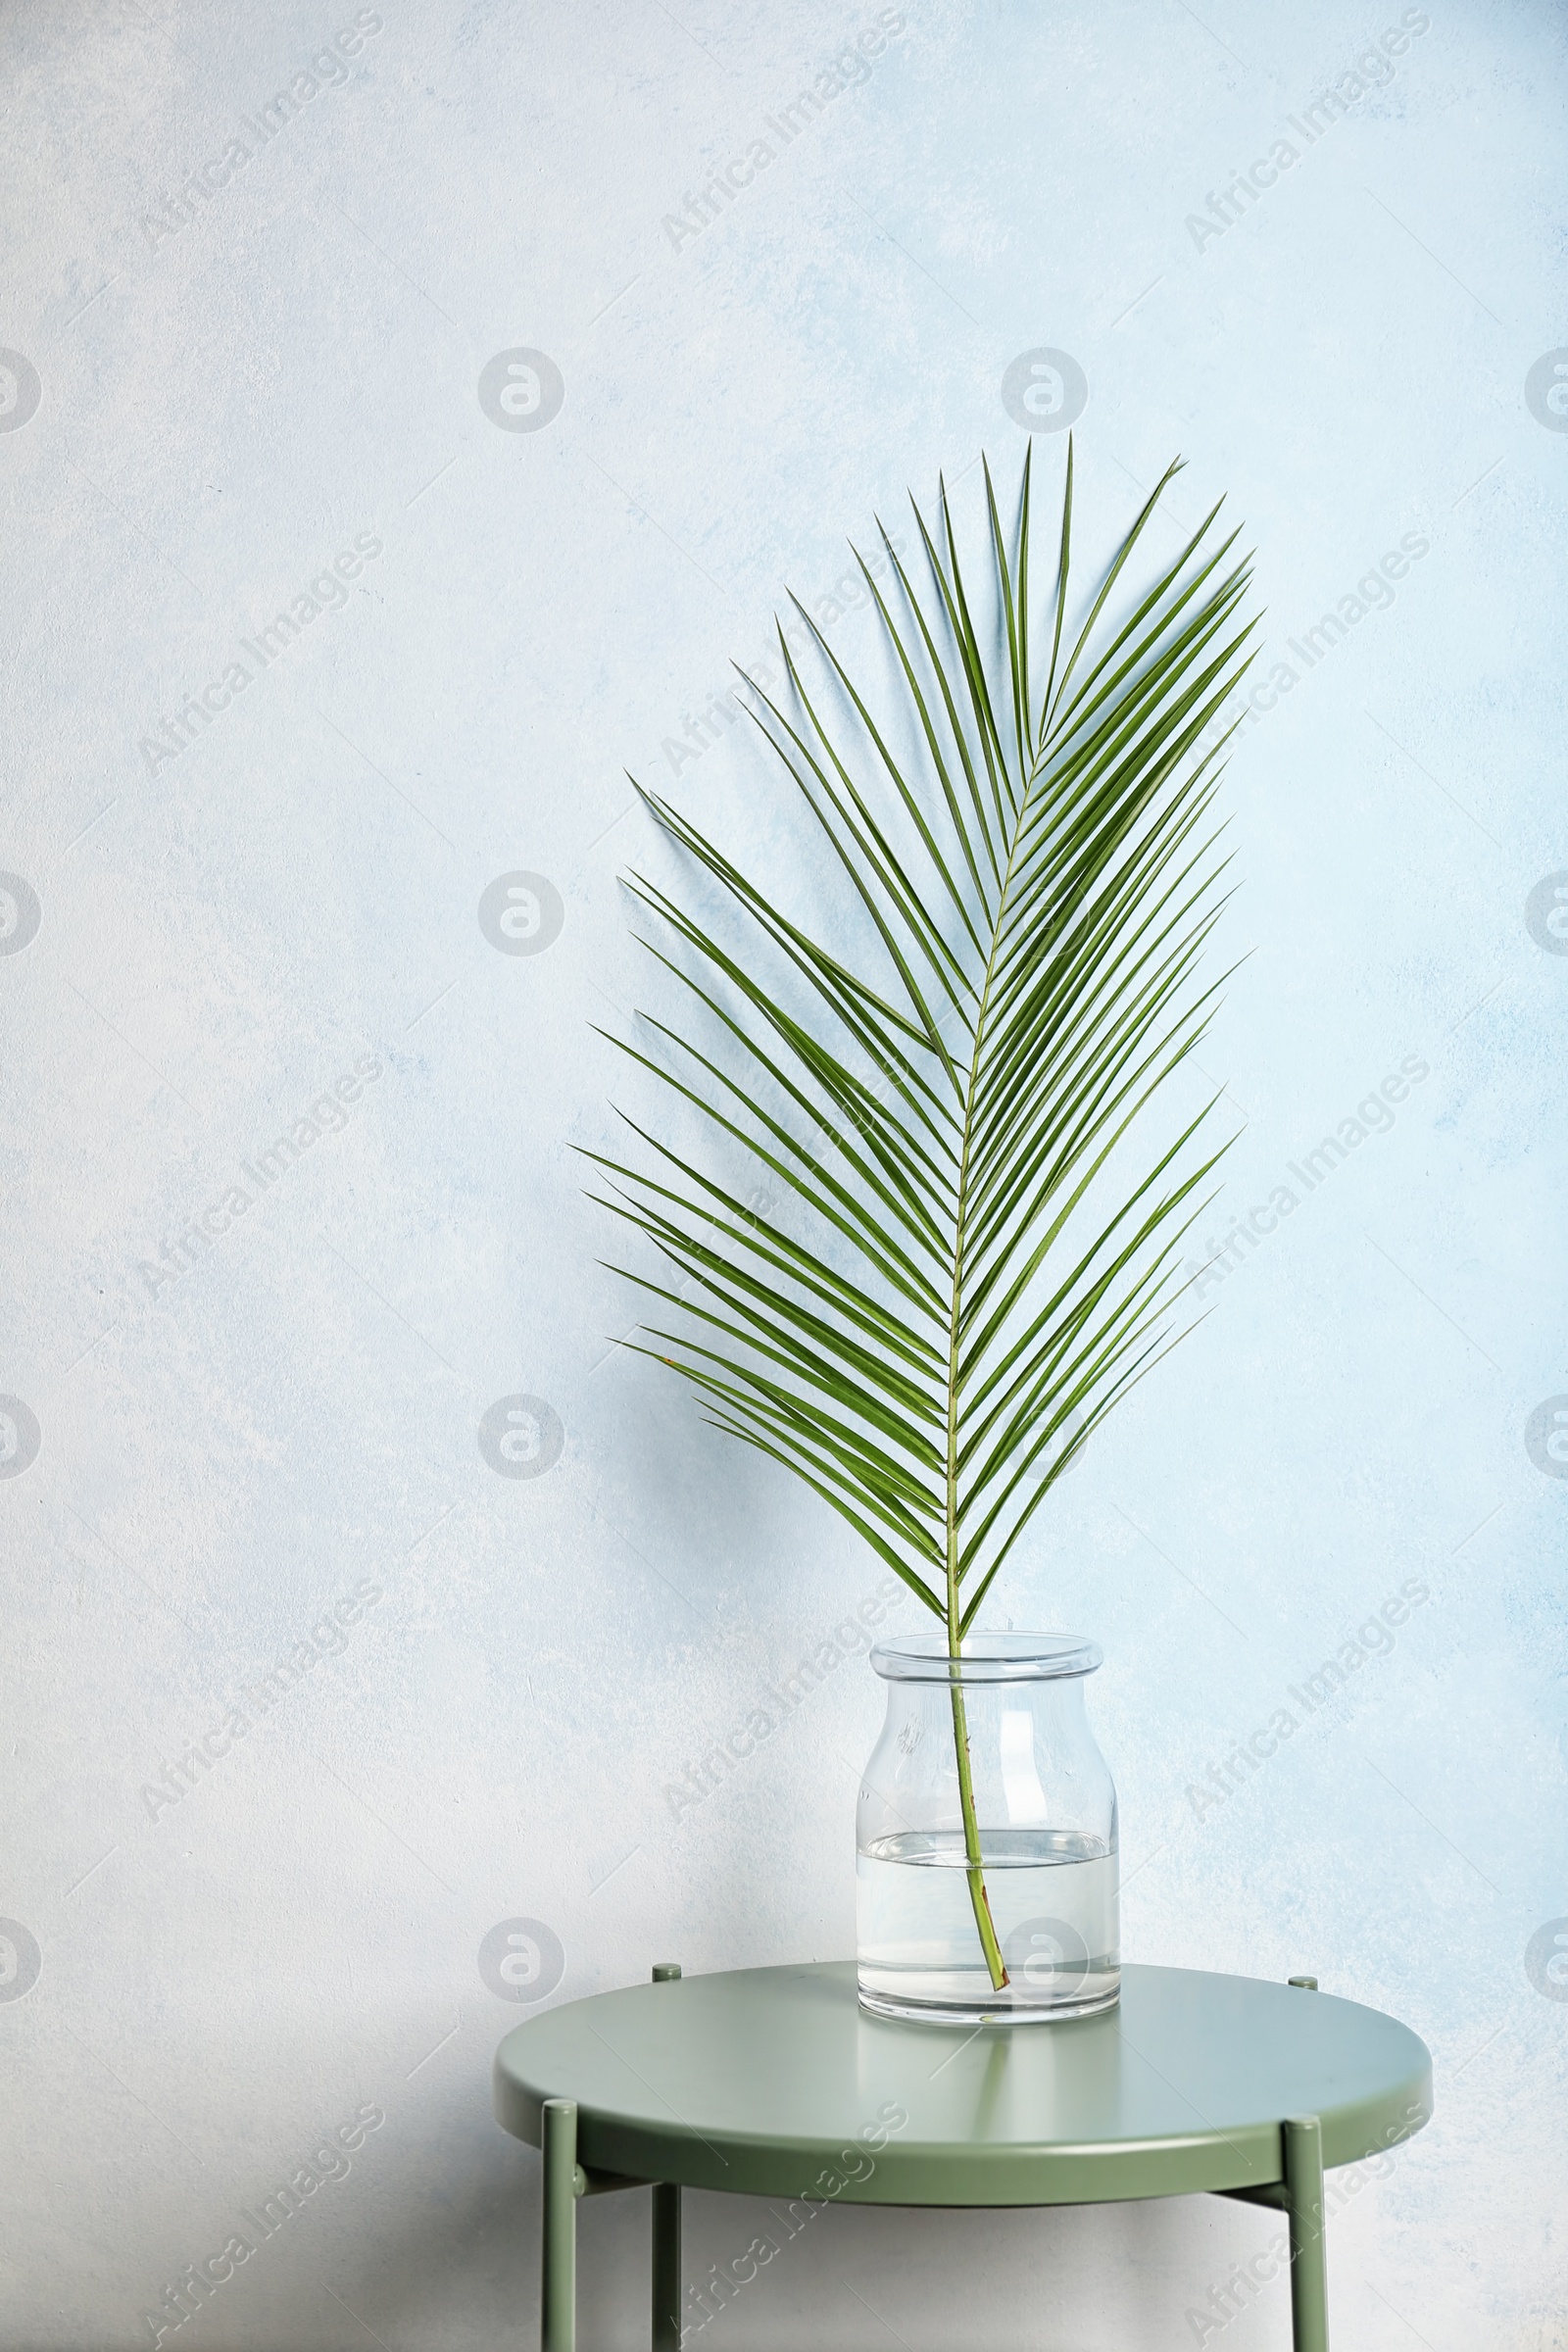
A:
[951,1275]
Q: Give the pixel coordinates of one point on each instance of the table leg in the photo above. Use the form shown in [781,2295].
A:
[558,2285]
[666,2266]
[666,2230]
[1303,2186]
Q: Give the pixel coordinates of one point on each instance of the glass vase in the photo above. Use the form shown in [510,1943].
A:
[1037,1860]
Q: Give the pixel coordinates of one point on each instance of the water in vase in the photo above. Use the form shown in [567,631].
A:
[1054,1903]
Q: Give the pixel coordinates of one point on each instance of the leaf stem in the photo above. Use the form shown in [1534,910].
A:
[974,1868]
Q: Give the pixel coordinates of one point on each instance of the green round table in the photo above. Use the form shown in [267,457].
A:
[774,2082]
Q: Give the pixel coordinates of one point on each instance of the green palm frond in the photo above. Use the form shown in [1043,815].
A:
[953,1275]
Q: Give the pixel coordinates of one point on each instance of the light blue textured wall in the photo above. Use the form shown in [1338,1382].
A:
[232,393]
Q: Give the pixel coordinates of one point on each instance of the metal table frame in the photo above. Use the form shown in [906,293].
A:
[1298,2191]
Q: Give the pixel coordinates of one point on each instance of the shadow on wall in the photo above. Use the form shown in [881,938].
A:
[839,2280]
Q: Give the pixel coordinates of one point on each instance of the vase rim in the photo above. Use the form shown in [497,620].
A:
[986,1657]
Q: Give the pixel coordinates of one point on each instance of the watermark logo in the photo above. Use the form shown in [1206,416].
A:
[1545,913]
[1374,1114]
[1373,70]
[328,1114]
[1373,592]
[1067,1440]
[328,69]
[1374,1638]
[20,391]
[194,2286]
[20,1436]
[850,1639]
[845,72]
[1546,390]
[20,913]
[521,1960]
[521,390]
[521,914]
[19,1960]
[849,593]
[1044,391]
[328,592]
[522,1436]
[327,1638]
[1047,1958]
[707,2299]
[1546,1437]
[1546,1960]
[1230,2298]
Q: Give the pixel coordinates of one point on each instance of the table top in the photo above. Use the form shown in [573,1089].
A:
[775,2083]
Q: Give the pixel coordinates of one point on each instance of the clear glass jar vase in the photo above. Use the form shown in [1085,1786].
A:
[1036,1860]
